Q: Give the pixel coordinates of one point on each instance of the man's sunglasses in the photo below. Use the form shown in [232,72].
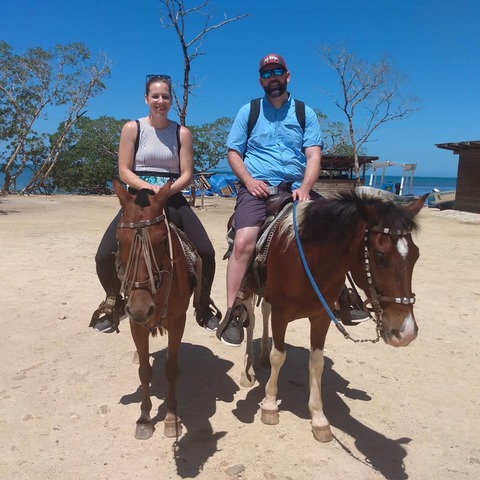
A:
[278,72]
[159,76]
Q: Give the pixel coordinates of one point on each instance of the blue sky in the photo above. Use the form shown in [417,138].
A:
[434,43]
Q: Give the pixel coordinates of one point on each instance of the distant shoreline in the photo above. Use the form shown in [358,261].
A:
[421,185]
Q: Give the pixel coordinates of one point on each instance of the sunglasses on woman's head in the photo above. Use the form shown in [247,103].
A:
[278,72]
[160,76]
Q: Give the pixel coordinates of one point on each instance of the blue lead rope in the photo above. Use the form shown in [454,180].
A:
[310,276]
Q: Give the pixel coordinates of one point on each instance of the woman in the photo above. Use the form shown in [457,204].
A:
[153,150]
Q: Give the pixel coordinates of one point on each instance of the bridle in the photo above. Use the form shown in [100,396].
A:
[373,302]
[142,243]
[374,299]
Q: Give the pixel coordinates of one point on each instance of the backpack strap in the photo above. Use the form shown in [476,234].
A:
[137,140]
[178,139]
[253,116]
[300,113]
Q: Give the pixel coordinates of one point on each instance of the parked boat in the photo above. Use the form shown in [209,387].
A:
[398,192]
[441,200]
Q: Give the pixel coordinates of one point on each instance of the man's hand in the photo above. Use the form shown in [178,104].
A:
[257,188]
[301,194]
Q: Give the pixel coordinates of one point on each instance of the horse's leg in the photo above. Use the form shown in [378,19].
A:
[135,358]
[320,426]
[269,405]
[173,423]
[140,334]
[247,378]
[265,345]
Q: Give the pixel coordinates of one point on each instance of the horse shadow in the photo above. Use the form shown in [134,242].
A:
[381,453]
[202,382]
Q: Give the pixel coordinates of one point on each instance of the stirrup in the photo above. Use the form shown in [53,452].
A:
[212,308]
[108,308]
[237,310]
[215,310]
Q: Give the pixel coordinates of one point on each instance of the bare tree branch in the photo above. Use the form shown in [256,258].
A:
[370,95]
[177,14]
[174,16]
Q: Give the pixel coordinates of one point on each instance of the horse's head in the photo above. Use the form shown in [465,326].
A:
[384,266]
[142,248]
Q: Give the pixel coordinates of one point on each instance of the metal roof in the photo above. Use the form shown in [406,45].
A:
[459,146]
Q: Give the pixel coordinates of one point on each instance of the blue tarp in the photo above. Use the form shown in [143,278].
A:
[223,184]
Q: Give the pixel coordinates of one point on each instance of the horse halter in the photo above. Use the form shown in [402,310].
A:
[142,242]
[376,298]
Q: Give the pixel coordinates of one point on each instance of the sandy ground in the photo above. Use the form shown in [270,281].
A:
[69,397]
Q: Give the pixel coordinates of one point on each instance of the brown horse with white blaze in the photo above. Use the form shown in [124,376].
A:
[368,237]
[157,285]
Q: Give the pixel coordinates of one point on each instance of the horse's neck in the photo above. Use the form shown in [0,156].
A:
[344,252]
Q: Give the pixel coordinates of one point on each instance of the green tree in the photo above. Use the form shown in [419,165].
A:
[209,143]
[87,161]
[336,140]
[32,85]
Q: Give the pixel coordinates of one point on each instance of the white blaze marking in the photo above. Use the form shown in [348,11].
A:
[408,327]
[402,247]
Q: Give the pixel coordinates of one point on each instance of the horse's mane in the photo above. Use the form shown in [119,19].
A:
[333,219]
[142,197]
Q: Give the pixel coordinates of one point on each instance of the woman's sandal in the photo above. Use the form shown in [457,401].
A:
[106,317]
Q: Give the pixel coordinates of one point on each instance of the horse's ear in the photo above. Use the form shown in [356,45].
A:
[368,213]
[162,195]
[417,204]
[121,192]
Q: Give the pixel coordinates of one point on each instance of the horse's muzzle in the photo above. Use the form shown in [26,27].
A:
[140,312]
[401,337]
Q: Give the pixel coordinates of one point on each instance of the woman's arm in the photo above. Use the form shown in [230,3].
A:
[126,153]
[186,161]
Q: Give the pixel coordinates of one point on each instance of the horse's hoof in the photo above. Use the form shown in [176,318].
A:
[144,431]
[270,417]
[172,428]
[247,380]
[322,434]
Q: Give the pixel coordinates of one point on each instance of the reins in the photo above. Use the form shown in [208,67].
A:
[143,243]
[339,326]
[374,299]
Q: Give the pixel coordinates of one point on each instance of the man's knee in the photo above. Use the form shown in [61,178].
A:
[244,246]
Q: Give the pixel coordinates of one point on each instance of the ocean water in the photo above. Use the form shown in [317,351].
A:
[421,185]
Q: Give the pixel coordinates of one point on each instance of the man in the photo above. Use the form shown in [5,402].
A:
[278,155]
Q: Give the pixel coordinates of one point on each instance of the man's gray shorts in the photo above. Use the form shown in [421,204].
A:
[250,211]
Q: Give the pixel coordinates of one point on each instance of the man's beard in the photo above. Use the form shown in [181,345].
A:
[277,91]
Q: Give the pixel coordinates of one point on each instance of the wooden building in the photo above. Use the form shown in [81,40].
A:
[467,197]
[338,173]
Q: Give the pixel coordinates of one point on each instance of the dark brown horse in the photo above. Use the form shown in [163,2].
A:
[368,237]
[157,285]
